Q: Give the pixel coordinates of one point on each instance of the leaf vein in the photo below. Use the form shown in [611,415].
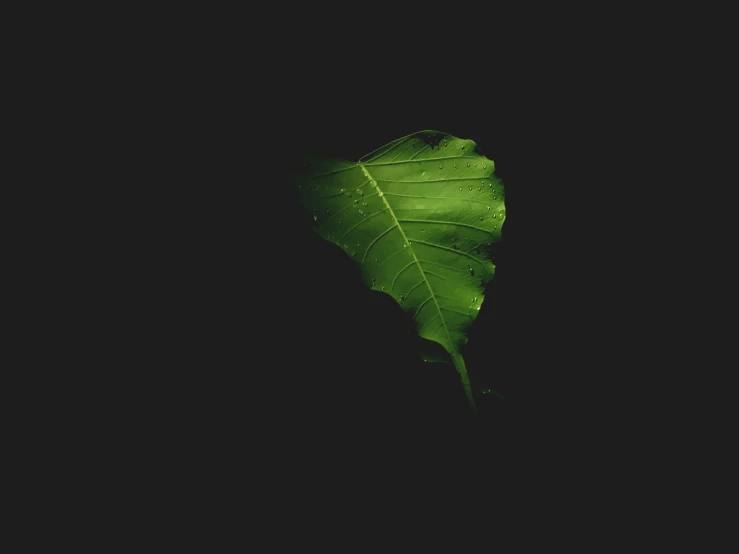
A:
[414,287]
[449,180]
[457,223]
[378,237]
[422,305]
[455,311]
[443,265]
[426,159]
[392,287]
[405,239]
[450,250]
[363,220]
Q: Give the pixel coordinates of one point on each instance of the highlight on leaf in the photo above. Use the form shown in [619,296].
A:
[418,216]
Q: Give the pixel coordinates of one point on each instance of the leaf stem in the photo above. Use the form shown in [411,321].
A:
[461,368]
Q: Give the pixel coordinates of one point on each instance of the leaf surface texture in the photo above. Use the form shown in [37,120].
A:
[418,216]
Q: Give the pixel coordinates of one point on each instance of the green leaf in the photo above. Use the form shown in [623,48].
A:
[418,216]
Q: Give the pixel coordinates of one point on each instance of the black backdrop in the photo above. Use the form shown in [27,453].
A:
[253,362]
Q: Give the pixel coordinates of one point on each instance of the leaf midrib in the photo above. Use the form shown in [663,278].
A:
[415,258]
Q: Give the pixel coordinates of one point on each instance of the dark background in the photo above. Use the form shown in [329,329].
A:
[254,363]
